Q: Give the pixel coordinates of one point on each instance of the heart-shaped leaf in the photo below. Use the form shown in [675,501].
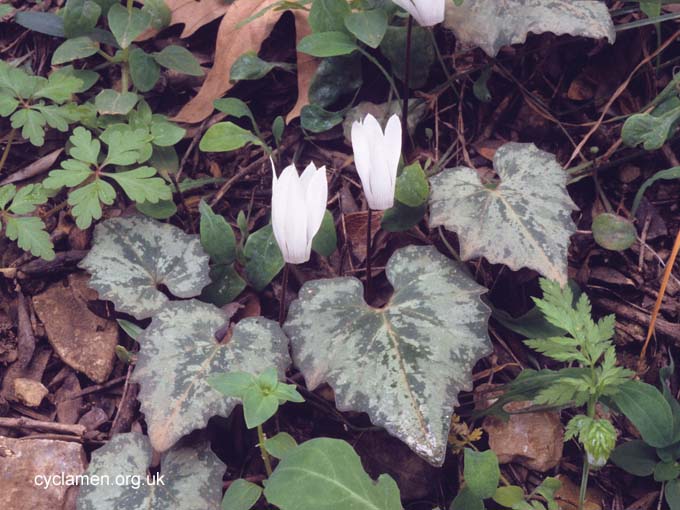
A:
[179,352]
[327,473]
[189,477]
[525,221]
[405,363]
[131,257]
[491,24]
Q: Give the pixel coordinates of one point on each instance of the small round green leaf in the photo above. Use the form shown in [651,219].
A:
[241,495]
[279,445]
[180,59]
[368,26]
[144,70]
[225,137]
[481,472]
[613,232]
[326,239]
[328,44]
[636,457]
[412,187]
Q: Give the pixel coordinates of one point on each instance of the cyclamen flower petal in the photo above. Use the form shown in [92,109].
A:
[376,157]
[298,206]
[426,12]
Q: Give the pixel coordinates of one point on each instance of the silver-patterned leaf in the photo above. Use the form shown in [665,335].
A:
[178,353]
[405,363]
[525,221]
[131,257]
[492,24]
[191,477]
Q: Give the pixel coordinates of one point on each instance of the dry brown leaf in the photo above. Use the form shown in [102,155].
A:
[194,14]
[233,40]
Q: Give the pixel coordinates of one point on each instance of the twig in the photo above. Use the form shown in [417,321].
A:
[27,423]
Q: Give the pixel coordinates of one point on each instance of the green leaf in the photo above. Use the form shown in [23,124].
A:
[141,185]
[648,410]
[327,44]
[125,146]
[217,236]
[165,133]
[159,12]
[263,258]
[58,88]
[192,477]
[404,363]
[412,188]
[635,457]
[5,10]
[88,78]
[328,15]
[234,107]
[400,217]
[84,147]
[72,173]
[326,239]
[165,160]
[111,102]
[317,120]
[7,105]
[161,210]
[368,26]
[258,407]
[86,202]
[72,49]
[422,53]
[649,130]
[241,495]
[144,70]
[672,493]
[466,500]
[132,257]
[30,235]
[334,78]
[307,479]
[179,59]
[666,471]
[232,384]
[278,126]
[491,25]
[80,17]
[126,25]
[226,285]
[509,496]
[57,117]
[179,354]
[225,137]
[130,328]
[481,473]
[613,232]
[251,67]
[525,221]
[668,174]
[280,445]
[7,193]
[27,198]
[32,125]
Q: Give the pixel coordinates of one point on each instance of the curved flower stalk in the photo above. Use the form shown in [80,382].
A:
[298,206]
[426,12]
[376,157]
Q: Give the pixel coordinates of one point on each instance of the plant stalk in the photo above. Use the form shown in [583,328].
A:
[265,456]
[369,256]
[407,82]
[284,289]
[8,146]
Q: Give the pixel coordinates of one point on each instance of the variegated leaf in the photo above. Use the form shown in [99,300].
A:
[131,257]
[492,24]
[178,353]
[525,221]
[191,477]
[405,363]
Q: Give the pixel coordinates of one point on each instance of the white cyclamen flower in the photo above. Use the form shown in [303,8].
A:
[376,157]
[426,12]
[298,206]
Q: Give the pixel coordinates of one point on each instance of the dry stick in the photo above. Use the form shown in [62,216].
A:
[407,80]
[659,299]
[369,255]
[616,95]
[284,288]
[27,423]
[8,146]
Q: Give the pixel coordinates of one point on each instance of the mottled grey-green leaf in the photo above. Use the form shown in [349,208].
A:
[492,24]
[131,257]
[525,221]
[405,363]
[178,353]
[191,477]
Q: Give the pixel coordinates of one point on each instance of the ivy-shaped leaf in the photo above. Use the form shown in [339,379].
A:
[131,257]
[179,352]
[405,363]
[191,477]
[492,24]
[524,221]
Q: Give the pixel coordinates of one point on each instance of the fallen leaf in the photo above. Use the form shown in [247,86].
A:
[194,14]
[233,40]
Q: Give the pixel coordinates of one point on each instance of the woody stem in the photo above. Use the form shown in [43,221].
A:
[407,80]
[284,288]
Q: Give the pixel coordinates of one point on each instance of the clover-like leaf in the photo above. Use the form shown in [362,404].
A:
[132,257]
[524,221]
[191,477]
[179,352]
[327,474]
[405,363]
[491,24]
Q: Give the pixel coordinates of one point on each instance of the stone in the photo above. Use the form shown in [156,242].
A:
[82,339]
[29,392]
[27,464]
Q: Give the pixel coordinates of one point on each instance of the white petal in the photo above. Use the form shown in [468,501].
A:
[294,223]
[393,141]
[362,156]
[307,175]
[316,197]
[279,204]
[408,6]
